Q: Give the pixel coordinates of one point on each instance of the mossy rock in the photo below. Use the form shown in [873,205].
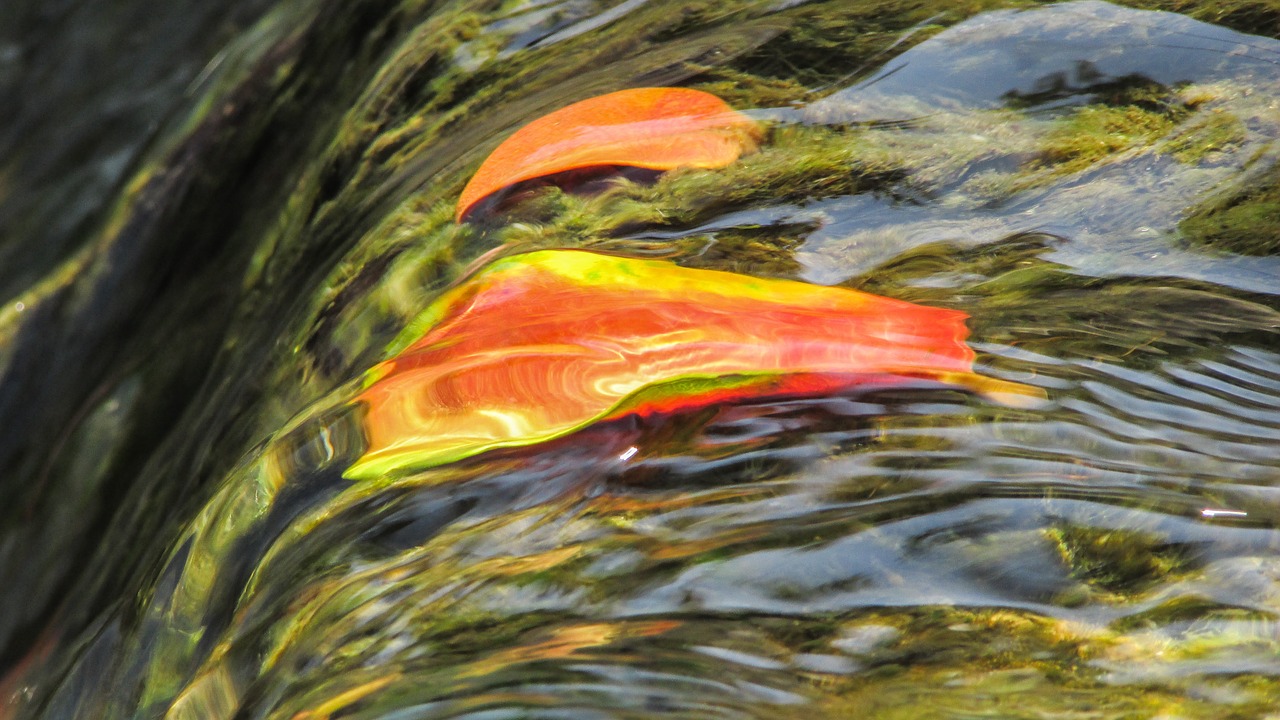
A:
[1119,562]
[1246,222]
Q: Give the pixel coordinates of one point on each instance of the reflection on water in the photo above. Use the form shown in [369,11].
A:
[1056,56]
[1085,181]
[999,76]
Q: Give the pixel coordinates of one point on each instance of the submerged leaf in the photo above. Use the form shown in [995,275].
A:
[540,345]
[651,128]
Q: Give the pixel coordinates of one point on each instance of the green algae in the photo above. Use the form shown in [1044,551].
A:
[1119,562]
[951,662]
[1094,133]
[1221,132]
[1246,221]
[1258,17]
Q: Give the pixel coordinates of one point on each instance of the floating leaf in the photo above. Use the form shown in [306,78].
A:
[651,128]
[540,345]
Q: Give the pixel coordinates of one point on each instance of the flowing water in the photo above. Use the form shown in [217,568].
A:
[1095,185]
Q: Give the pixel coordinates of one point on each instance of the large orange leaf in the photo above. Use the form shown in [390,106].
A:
[539,345]
[652,128]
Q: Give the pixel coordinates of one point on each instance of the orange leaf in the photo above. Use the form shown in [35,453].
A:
[539,345]
[652,128]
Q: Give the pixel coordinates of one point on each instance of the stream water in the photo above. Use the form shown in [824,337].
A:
[192,308]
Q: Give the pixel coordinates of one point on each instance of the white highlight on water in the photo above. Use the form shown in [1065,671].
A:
[1213,513]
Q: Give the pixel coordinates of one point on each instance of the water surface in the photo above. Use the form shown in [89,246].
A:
[1095,185]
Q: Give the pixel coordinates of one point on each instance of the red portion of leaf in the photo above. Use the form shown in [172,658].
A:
[653,128]
[539,345]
